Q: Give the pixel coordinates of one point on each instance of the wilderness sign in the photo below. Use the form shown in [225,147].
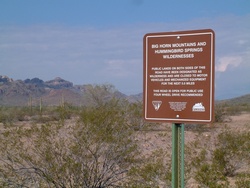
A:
[178,70]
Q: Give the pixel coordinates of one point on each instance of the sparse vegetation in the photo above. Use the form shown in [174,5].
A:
[107,144]
[214,166]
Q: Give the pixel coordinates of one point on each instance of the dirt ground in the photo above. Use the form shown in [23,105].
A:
[160,137]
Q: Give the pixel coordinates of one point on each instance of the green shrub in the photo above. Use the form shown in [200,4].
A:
[243,181]
[97,151]
[220,114]
[212,167]
[233,149]
[210,176]
[151,172]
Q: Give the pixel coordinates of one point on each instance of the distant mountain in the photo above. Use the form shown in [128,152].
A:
[5,79]
[135,98]
[59,83]
[242,100]
[52,92]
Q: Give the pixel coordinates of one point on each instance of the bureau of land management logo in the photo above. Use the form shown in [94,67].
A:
[198,107]
[157,104]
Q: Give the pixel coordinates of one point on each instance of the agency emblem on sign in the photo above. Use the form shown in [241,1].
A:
[156,104]
[198,107]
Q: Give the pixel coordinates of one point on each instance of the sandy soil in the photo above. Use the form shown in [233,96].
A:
[160,137]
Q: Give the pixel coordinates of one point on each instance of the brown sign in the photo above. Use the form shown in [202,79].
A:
[179,76]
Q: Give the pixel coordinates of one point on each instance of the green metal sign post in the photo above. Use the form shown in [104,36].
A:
[178,155]
[178,85]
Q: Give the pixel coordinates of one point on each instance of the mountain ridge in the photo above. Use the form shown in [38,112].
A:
[51,92]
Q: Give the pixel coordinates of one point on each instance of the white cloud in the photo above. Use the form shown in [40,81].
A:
[120,68]
[225,62]
[242,41]
[116,68]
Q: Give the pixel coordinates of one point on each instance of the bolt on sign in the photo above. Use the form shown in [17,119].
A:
[178,78]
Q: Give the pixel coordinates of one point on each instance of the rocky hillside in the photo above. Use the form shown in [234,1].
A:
[243,100]
[52,92]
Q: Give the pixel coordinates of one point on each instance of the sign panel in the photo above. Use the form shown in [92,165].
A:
[178,78]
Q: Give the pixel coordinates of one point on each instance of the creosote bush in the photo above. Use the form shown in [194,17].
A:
[96,151]
[212,167]
[152,173]
[224,110]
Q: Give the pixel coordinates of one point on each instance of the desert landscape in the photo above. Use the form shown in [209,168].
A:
[108,144]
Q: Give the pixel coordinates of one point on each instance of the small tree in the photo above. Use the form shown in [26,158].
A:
[211,166]
[232,151]
[95,151]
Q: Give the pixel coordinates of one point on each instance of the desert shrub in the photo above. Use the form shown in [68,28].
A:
[152,173]
[197,128]
[64,112]
[97,95]
[134,116]
[234,110]
[208,175]
[211,166]
[8,115]
[224,110]
[97,151]
[55,113]
[220,113]
[232,151]
[243,180]
[4,116]
[205,173]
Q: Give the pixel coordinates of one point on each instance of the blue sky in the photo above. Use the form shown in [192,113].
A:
[100,41]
